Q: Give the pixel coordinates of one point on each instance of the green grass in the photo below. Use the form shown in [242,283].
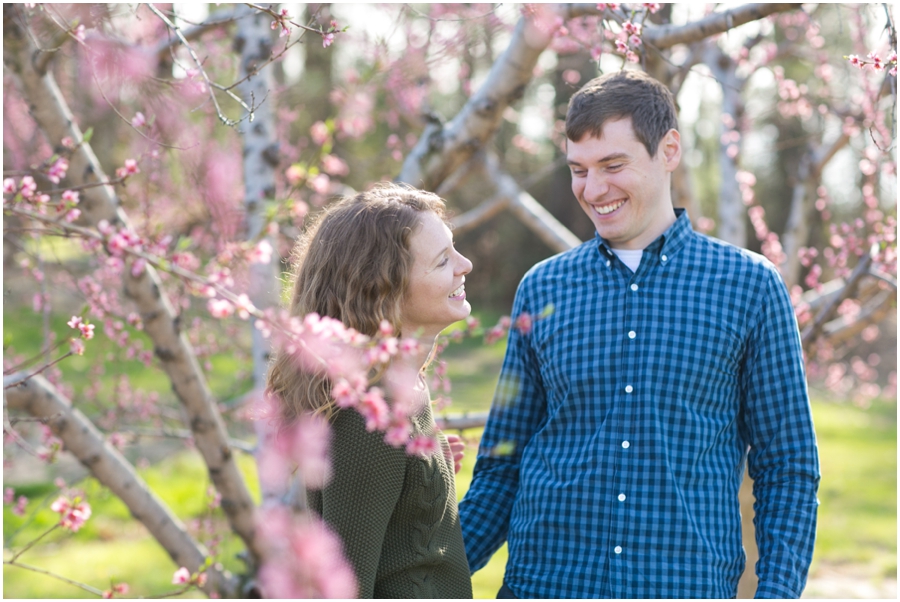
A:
[857,516]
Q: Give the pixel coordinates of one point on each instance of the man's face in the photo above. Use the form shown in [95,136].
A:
[620,187]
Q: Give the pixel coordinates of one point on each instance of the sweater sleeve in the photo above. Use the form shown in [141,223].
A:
[360,498]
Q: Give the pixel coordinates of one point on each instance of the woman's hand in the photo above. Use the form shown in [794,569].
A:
[457,450]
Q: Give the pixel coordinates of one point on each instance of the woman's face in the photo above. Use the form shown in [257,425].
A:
[436,296]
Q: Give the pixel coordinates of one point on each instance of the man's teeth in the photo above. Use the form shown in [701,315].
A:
[608,208]
[459,291]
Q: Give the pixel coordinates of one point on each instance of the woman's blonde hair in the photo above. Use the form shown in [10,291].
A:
[352,264]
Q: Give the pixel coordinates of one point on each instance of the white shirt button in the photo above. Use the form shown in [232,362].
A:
[621,497]
[634,287]
[632,334]
[629,389]
[608,263]
[617,549]
[626,444]
[665,258]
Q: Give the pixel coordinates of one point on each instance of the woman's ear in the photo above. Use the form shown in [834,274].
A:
[670,149]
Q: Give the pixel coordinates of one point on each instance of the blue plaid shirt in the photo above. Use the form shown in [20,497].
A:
[614,450]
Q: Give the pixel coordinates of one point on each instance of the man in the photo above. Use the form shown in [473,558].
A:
[614,450]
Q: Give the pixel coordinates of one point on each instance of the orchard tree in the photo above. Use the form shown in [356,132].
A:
[158,166]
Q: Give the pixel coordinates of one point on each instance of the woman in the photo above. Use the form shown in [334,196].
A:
[384,255]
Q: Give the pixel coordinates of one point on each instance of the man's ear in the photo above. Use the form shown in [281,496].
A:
[670,149]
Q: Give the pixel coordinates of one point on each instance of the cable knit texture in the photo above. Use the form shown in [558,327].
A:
[396,513]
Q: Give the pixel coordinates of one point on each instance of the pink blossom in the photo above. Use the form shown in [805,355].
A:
[9,186]
[320,183]
[344,394]
[73,514]
[138,267]
[621,46]
[334,166]
[138,120]
[131,166]
[244,306]
[305,561]
[632,28]
[75,322]
[9,495]
[398,433]
[121,588]
[409,346]
[631,57]
[28,187]
[635,40]
[854,60]
[652,6]
[295,174]
[68,142]
[21,503]
[374,409]
[385,328]
[182,575]
[72,215]
[327,40]
[87,331]
[58,170]
[423,445]
[524,322]
[220,308]
[71,196]
[262,253]
[79,33]
[319,132]
[76,346]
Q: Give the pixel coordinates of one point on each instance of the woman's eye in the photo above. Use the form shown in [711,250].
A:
[443,262]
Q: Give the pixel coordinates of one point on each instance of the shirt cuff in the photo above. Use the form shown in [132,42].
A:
[777,591]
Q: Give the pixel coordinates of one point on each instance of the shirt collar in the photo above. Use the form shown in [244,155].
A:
[668,243]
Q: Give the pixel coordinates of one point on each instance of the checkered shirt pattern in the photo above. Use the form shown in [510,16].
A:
[615,446]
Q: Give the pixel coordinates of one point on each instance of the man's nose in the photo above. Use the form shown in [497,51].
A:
[595,187]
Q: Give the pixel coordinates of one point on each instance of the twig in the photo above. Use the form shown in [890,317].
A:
[38,371]
[85,587]
[196,59]
[31,543]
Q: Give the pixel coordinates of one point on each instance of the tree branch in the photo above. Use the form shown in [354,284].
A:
[812,332]
[41,399]
[666,36]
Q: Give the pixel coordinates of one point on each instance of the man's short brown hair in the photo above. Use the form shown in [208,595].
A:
[614,96]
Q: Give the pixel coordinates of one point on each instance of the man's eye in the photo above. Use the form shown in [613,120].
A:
[579,173]
[615,167]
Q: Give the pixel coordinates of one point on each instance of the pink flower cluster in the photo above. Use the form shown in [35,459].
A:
[9,496]
[629,40]
[872,59]
[303,558]
[73,513]
[130,168]
[184,577]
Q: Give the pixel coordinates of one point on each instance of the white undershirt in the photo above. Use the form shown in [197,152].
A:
[630,258]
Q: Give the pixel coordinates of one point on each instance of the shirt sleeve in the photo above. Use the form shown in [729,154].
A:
[783,458]
[516,411]
[362,494]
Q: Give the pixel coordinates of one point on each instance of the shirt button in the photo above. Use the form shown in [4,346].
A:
[632,334]
[621,497]
[608,263]
[626,444]
[664,258]
[629,389]
[617,549]
[634,287]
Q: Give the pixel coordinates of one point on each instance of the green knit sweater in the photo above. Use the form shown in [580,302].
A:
[395,513]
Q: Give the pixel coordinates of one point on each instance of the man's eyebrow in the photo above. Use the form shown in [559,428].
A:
[606,159]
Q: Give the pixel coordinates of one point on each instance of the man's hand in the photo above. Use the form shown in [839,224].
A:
[457,450]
